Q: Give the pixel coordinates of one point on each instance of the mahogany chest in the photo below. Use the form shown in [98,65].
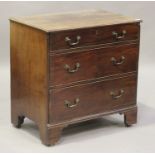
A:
[73,67]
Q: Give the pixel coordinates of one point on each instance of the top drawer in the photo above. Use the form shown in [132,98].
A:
[92,36]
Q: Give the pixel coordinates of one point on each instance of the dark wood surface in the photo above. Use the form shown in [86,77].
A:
[93,98]
[29,93]
[94,63]
[105,82]
[99,35]
[130,117]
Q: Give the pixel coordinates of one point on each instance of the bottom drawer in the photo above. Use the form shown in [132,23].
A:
[86,99]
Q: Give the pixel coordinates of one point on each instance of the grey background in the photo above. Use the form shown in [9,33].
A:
[103,135]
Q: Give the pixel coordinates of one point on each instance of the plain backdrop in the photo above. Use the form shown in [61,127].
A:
[102,135]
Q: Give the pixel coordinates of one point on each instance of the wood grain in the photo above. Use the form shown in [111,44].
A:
[73,20]
[45,92]
[93,36]
[29,96]
[94,98]
[93,64]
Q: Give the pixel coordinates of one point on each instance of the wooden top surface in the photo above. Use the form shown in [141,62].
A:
[74,20]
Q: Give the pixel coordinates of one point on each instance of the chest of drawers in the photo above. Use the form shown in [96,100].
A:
[73,67]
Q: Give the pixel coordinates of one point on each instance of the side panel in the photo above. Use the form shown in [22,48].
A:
[29,61]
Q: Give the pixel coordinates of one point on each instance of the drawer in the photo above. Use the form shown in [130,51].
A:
[93,36]
[96,63]
[92,98]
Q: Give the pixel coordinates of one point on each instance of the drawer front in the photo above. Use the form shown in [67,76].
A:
[84,100]
[93,36]
[73,67]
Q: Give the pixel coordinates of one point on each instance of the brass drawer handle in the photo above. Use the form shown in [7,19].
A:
[69,41]
[119,36]
[116,62]
[116,96]
[68,68]
[68,104]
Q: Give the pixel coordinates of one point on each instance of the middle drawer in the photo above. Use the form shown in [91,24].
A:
[95,63]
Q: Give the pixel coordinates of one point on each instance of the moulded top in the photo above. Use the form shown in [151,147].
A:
[73,20]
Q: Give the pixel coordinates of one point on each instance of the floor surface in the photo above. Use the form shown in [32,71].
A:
[107,134]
